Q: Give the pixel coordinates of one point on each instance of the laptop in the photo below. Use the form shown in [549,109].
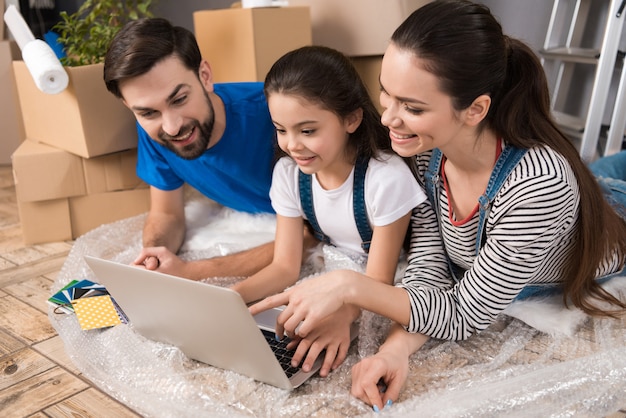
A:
[211,324]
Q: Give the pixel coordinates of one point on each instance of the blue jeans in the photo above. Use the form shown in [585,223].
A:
[551,289]
[611,174]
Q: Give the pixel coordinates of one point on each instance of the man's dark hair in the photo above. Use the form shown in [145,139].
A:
[143,43]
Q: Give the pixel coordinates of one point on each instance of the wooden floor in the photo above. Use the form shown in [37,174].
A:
[37,378]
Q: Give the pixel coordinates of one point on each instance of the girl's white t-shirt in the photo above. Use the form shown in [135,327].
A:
[391,192]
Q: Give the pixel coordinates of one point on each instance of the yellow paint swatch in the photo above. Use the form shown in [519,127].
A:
[96,312]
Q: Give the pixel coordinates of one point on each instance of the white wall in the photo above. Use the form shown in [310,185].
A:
[523,19]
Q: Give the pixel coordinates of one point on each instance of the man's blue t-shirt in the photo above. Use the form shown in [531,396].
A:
[237,171]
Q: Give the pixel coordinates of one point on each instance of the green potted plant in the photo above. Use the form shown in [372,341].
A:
[84,119]
[87,33]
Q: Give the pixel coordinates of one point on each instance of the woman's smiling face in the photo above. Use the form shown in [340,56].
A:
[419,116]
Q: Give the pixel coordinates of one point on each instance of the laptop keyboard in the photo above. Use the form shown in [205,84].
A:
[280,351]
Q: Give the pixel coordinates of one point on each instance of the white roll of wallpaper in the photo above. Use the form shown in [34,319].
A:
[44,66]
[41,61]
[18,26]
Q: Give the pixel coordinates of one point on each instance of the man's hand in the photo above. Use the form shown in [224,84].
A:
[162,260]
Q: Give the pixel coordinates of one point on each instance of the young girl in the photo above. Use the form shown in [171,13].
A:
[518,211]
[329,130]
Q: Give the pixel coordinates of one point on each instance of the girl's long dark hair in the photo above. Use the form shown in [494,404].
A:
[327,77]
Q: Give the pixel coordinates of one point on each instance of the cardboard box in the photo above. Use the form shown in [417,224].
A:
[69,218]
[42,172]
[242,44]
[90,211]
[10,114]
[61,196]
[84,119]
[112,172]
[369,70]
[357,27]
[45,221]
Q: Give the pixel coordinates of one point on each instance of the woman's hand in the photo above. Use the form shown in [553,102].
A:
[378,380]
[308,303]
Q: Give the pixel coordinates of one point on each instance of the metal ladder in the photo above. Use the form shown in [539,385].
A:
[563,55]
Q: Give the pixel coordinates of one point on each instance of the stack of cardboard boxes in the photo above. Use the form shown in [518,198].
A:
[75,168]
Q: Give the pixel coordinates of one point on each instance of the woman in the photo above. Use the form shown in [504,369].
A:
[517,210]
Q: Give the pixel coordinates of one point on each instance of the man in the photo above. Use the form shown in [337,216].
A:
[218,138]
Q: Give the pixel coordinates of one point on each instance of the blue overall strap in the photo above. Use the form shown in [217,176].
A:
[358,203]
[433,191]
[507,161]
[306,199]
[431,177]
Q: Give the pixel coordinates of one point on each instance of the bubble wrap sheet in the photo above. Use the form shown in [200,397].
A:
[576,366]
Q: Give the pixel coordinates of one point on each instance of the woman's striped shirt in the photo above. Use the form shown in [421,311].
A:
[530,232]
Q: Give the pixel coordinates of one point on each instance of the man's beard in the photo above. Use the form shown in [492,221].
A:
[197,147]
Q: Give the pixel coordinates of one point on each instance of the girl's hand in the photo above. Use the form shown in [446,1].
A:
[378,380]
[332,335]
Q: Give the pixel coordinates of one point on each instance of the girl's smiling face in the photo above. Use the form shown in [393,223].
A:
[419,116]
[316,138]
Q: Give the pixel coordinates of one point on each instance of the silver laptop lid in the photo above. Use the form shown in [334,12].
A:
[208,323]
